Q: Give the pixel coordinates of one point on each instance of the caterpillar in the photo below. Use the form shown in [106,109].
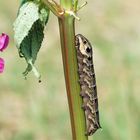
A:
[87,83]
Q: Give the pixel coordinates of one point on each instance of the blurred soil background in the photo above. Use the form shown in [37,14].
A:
[39,111]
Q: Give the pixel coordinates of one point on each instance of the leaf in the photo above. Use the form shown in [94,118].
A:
[31,45]
[28,14]
[43,11]
[29,27]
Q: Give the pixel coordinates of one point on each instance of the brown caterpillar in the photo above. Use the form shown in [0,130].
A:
[88,84]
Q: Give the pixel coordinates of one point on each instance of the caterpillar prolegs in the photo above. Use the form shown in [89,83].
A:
[88,84]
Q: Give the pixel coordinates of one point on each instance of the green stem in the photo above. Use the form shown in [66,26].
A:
[75,5]
[56,9]
[67,34]
[66,4]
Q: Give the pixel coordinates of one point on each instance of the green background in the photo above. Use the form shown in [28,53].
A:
[39,111]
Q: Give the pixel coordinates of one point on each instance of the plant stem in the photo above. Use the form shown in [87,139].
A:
[55,9]
[67,34]
[67,4]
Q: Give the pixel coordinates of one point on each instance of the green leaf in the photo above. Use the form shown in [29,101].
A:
[29,27]
[28,14]
[43,11]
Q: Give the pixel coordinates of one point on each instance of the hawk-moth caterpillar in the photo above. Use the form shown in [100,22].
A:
[87,84]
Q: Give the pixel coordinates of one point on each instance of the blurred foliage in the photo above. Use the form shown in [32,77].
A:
[33,111]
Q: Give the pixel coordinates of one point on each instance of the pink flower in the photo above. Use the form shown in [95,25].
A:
[1,65]
[4,40]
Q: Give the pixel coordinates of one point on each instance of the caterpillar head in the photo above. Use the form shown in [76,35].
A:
[83,45]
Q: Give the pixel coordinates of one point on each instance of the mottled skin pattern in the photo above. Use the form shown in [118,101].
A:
[88,84]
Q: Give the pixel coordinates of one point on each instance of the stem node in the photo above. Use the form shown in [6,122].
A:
[71,13]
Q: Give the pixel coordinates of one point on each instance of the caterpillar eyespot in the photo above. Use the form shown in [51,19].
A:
[88,50]
[87,83]
[84,42]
